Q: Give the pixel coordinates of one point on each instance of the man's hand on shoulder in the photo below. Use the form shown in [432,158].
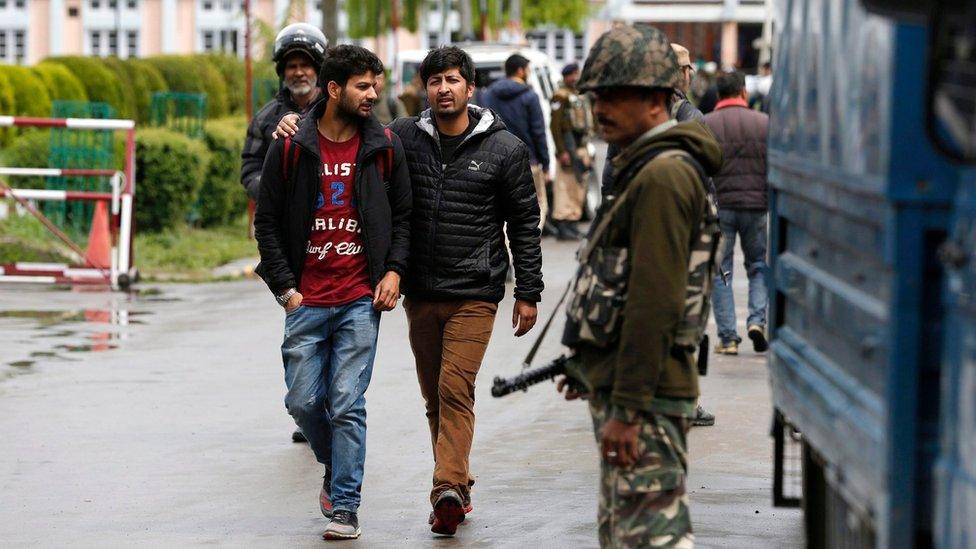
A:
[287,126]
[523,317]
[387,292]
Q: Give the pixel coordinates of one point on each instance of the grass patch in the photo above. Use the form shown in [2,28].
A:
[184,253]
[24,238]
[192,252]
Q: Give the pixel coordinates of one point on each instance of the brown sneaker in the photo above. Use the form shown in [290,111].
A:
[730,348]
[448,513]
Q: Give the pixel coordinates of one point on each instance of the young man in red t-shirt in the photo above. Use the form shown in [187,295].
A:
[332,226]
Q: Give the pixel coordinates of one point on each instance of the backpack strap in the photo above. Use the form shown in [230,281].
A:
[289,161]
[386,160]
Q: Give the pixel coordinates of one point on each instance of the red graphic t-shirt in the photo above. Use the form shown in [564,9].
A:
[335,270]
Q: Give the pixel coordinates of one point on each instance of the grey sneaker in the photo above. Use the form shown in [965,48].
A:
[448,513]
[702,418]
[344,525]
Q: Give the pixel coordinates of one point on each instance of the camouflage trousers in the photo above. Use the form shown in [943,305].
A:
[646,504]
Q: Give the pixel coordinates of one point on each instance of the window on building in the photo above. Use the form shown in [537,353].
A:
[131,4]
[96,42]
[208,41]
[113,43]
[207,5]
[95,4]
[3,44]
[579,47]
[113,4]
[20,45]
[20,4]
[227,5]
[3,4]
[132,44]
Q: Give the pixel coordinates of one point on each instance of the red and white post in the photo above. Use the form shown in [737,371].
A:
[121,273]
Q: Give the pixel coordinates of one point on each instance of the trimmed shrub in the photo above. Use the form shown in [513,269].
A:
[30,93]
[194,74]
[171,170]
[232,71]
[60,82]
[222,198]
[7,106]
[100,83]
[146,80]
[29,150]
[127,88]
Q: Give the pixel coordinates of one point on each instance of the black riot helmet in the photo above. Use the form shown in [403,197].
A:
[299,37]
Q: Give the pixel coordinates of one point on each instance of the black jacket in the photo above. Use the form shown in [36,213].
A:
[457,244]
[742,132]
[259,137]
[518,106]
[283,220]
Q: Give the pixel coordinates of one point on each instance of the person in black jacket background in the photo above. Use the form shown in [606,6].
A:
[471,185]
[333,230]
[518,106]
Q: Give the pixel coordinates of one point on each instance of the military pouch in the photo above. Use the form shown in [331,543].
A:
[594,314]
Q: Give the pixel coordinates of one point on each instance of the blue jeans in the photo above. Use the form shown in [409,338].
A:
[750,226]
[328,354]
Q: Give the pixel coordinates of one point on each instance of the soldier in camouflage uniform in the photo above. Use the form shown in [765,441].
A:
[642,378]
[571,127]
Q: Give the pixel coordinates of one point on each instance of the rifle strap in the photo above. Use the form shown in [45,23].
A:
[545,329]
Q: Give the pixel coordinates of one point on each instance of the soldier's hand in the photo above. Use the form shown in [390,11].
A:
[287,126]
[618,443]
[523,317]
[565,160]
[387,292]
[570,392]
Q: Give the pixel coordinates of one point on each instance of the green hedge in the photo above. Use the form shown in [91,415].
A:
[222,198]
[7,105]
[29,150]
[100,83]
[171,169]
[232,71]
[30,93]
[146,80]
[194,74]
[60,82]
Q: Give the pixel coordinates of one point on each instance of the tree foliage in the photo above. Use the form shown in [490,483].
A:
[369,18]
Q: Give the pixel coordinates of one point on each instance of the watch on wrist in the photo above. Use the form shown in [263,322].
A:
[284,298]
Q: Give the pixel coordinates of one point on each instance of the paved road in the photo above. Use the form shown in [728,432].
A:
[156,420]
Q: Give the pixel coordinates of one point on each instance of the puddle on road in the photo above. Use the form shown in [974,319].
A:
[74,331]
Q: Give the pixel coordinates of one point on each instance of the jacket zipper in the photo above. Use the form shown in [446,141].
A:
[437,200]
[362,217]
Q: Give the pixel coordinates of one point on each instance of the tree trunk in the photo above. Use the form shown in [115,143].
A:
[330,21]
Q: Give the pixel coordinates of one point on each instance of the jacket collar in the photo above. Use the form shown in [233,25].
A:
[731,102]
[485,122]
[372,138]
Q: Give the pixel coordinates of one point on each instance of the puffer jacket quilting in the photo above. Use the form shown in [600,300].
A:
[742,132]
[457,246]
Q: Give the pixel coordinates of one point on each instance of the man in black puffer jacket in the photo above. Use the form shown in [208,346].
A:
[470,178]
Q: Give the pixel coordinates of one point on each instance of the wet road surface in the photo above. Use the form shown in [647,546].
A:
[156,420]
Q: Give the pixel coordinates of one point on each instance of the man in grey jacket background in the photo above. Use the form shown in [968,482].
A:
[743,206]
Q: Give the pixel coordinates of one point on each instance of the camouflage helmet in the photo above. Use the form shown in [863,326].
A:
[638,55]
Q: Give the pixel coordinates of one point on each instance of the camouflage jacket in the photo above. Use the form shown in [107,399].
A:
[657,223]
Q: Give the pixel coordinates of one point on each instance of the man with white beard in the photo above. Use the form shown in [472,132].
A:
[299,50]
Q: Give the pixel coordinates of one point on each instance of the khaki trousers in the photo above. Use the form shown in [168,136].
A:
[449,339]
[539,178]
[568,192]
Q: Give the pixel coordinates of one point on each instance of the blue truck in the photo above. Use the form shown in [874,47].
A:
[872,269]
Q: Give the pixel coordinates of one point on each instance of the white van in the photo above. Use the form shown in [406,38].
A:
[489,65]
